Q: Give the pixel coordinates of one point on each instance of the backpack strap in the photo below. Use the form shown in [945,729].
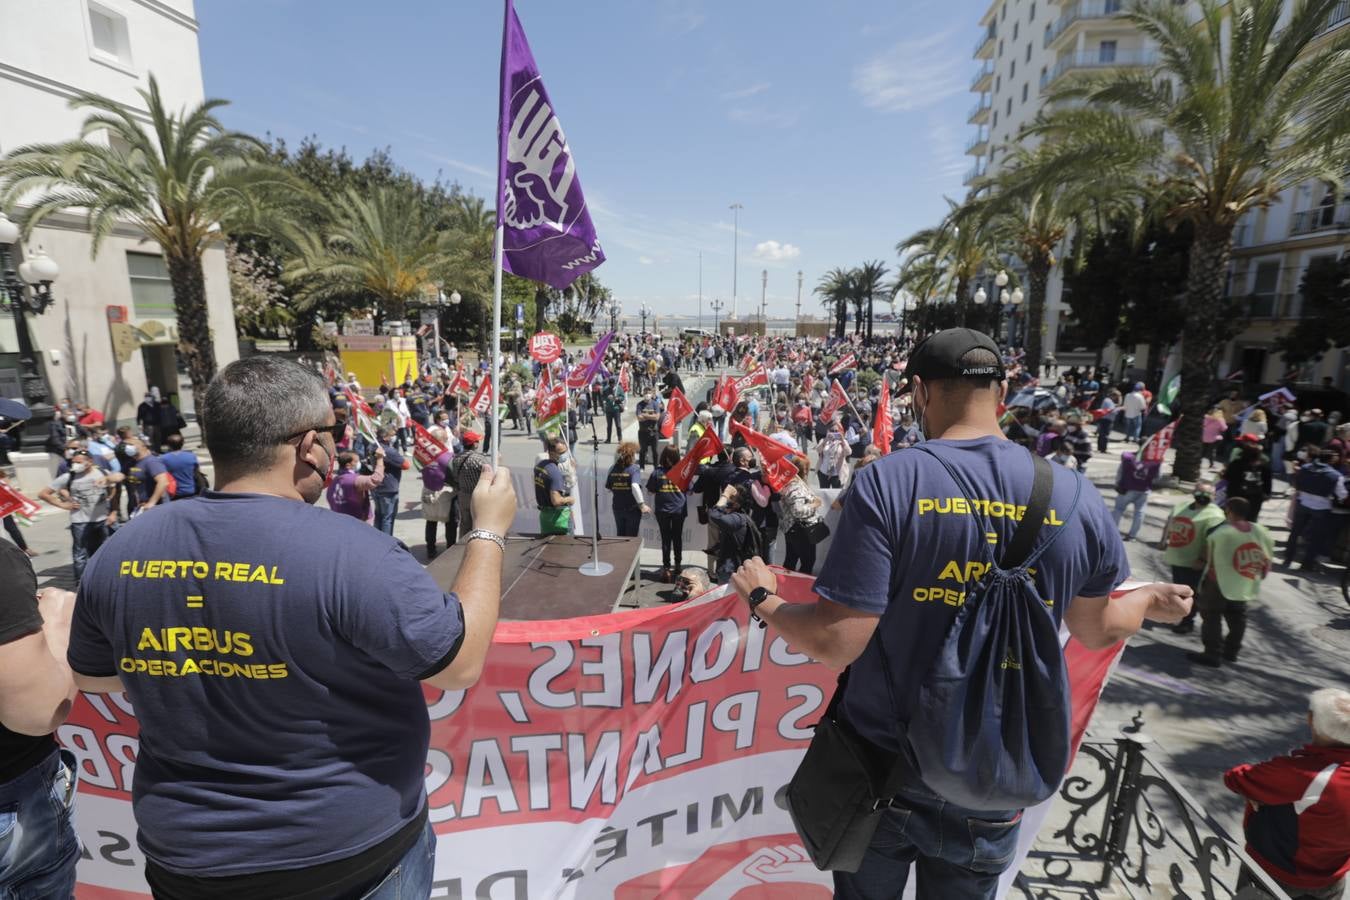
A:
[1018,549]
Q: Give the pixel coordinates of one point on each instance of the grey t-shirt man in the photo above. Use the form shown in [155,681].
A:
[89,489]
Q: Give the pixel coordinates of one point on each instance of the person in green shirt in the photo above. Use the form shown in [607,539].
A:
[1237,556]
[1183,541]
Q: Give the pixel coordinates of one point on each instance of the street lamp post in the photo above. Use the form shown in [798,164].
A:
[646,311]
[764,301]
[735,253]
[614,309]
[1014,317]
[799,296]
[717,306]
[28,290]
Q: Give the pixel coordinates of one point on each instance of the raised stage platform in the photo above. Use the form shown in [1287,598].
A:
[540,578]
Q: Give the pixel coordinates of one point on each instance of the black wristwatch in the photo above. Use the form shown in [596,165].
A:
[758,596]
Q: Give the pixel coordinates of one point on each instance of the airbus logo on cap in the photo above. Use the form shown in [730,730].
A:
[982,370]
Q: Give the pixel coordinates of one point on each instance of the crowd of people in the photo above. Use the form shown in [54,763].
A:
[803,426]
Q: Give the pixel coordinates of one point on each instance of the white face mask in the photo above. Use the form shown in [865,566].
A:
[79,468]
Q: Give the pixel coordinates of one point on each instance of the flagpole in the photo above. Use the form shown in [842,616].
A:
[497,346]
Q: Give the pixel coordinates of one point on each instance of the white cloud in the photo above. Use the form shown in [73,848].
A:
[745,92]
[766,118]
[646,260]
[772,251]
[948,154]
[913,74]
[462,166]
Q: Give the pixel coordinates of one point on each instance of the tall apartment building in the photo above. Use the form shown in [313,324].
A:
[49,52]
[1029,46]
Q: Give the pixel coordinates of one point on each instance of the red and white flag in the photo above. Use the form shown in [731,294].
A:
[768,448]
[708,444]
[844,363]
[12,502]
[836,401]
[550,399]
[677,407]
[882,425]
[1158,443]
[426,448]
[749,364]
[460,383]
[752,381]
[625,379]
[482,398]
[778,472]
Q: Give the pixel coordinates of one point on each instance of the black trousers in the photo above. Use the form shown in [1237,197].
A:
[13,528]
[613,426]
[1191,578]
[628,522]
[1216,611]
[672,538]
[647,441]
[800,555]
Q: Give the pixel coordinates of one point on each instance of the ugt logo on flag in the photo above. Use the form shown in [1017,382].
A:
[547,234]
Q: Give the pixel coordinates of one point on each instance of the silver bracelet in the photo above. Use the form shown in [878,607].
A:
[482,534]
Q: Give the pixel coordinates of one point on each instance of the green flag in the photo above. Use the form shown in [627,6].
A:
[1169,394]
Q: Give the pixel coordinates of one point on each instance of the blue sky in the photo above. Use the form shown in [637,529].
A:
[838,125]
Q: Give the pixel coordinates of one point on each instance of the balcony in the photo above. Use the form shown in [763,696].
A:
[978,145]
[983,79]
[1340,15]
[1242,234]
[979,113]
[976,172]
[1321,218]
[984,47]
[1083,11]
[1097,60]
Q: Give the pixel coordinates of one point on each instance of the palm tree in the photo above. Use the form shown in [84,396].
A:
[836,290]
[176,180]
[377,246]
[943,261]
[1031,209]
[1237,110]
[868,282]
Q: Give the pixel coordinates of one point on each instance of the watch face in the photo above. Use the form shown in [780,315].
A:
[758,596]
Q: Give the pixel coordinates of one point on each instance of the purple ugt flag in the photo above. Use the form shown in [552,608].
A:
[547,235]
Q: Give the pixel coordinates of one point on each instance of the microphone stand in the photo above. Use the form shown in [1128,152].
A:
[595,567]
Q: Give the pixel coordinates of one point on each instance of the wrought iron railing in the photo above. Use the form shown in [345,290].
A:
[1129,829]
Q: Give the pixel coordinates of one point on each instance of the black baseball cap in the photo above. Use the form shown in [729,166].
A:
[939,356]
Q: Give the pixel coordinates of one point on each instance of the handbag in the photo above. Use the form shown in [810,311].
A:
[841,789]
[816,530]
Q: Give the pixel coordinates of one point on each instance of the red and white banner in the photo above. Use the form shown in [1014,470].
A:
[426,449]
[550,399]
[631,755]
[726,394]
[1158,443]
[707,445]
[844,363]
[881,427]
[752,381]
[460,383]
[546,347]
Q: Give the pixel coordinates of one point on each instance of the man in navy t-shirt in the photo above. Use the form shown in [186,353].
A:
[904,551]
[182,466]
[275,653]
[386,492]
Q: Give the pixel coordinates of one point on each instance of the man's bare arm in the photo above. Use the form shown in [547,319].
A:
[1101,622]
[479,582]
[36,689]
[826,631]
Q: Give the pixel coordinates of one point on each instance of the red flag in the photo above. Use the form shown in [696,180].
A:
[546,347]
[708,444]
[881,424]
[847,361]
[726,394]
[425,446]
[1158,443]
[677,407]
[551,398]
[807,383]
[833,403]
[768,448]
[482,398]
[460,383]
[778,472]
[749,364]
[624,379]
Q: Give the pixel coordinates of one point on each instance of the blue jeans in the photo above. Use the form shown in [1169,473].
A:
[386,507]
[38,847]
[1133,428]
[1125,498]
[411,877]
[85,539]
[1315,528]
[960,853]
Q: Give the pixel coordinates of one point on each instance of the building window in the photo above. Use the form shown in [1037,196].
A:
[1015,27]
[1264,289]
[1032,16]
[1028,52]
[151,290]
[1012,70]
[1004,14]
[998,83]
[1009,106]
[108,35]
[995,125]
[1106,52]
[1024,93]
[1000,49]
[1046,38]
